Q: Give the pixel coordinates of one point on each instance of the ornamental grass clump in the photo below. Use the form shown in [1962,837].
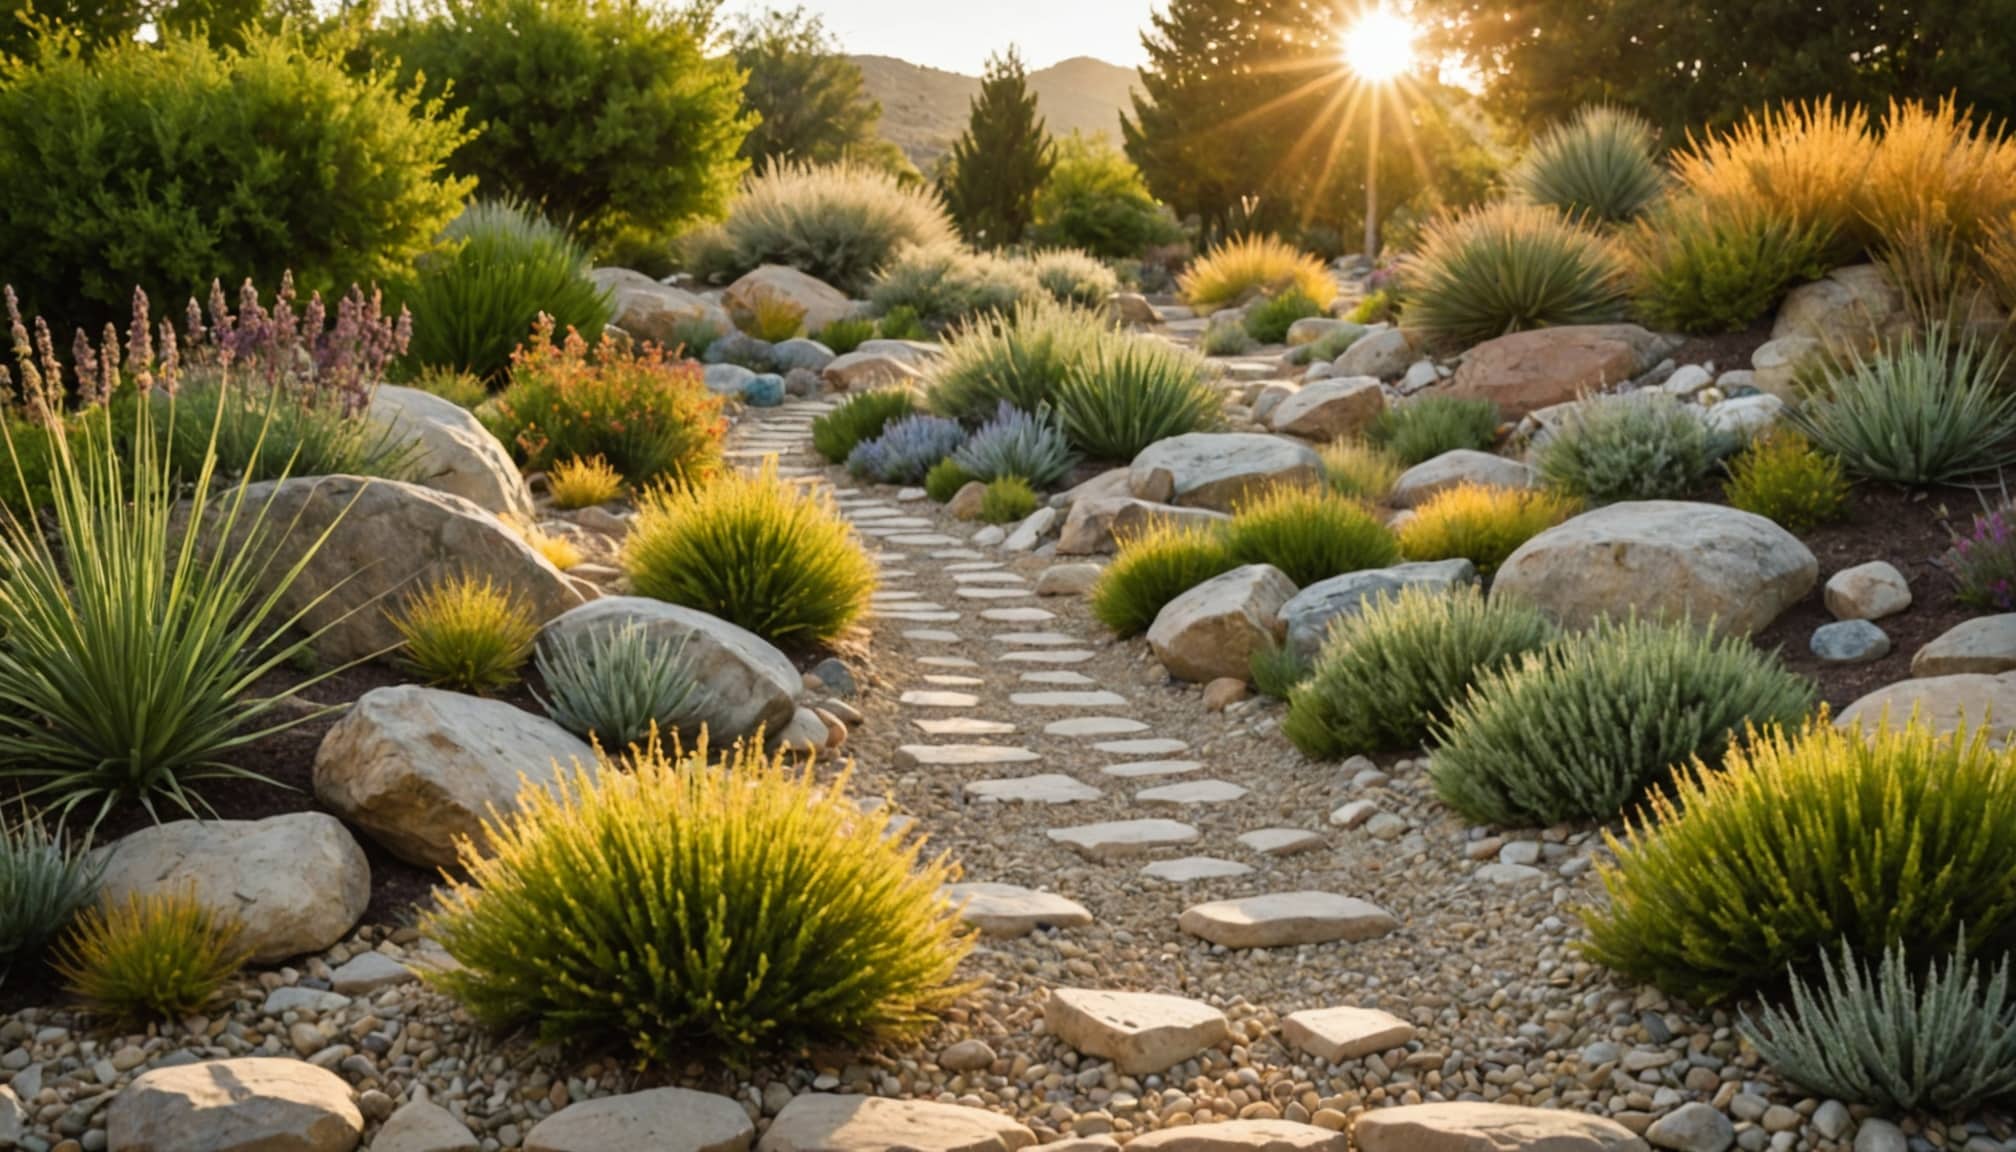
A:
[1631,447]
[1360,471]
[1601,166]
[1020,359]
[1806,160]
[1153,567]
[161,956]
[467,634]
[620,686]
[945,480]
[45,880]
[1707,266]
[1581,730]
[1391,671]
[771,317]
[947,284]
[1481,524]
[841,223]
[1017,443]
[1506,267]
[1073,277]
[1006,500]
[1929,409]
[845,334]
[1809,838]
[1133,392]
[906,450]
[859,417]
[1268,321]
[755,551]
[583,483]
[1262,265]
[1783,478]
[1424,428]
[1309,534]
[681,907]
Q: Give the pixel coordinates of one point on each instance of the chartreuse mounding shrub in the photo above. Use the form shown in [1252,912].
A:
[1258,264]
[1006,500]
[754,551]
[745,907]
[1268,321]
[1390,672]
[1581,730]
[578,483]
[1426,427]
[1506,267]
[1783,478]
[458,388]
[1153,567]
[859,417]
[1020,444]
[558,550]
[1309,534]
[158,956]
[1133,392]
[130,167]
[1707,266]
[618,685]
[945,479]
[1631,447]
[504,265]
[907,450]
[1809,838]
[842,223]
[1928,409]
[1601,166]
[467,634]
[1480,523]
[1358,470]
[45,879]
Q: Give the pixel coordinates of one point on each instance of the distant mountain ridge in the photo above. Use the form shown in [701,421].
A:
[924,109]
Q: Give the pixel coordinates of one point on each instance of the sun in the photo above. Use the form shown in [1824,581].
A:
[1380,46]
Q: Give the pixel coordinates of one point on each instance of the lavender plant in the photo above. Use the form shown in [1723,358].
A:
[1016,443]
[906,450]
[1983,562]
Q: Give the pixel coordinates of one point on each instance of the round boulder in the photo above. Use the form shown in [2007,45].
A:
[256,1104]
[1214,629]
[1218,469]
[454,452]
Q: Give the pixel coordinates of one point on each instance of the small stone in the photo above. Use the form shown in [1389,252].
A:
[1850,642]
[1832,1120]
[1877,1135]
[1353,814]
[367,972]
[1067,579]
[965,504]
[1779,1118]
[966,1056]
[422,1126]
[1867,592]
[1006,910]
[1693,1127]
[1141,1032]
[1224,692]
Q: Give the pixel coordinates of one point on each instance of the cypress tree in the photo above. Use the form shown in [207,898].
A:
[1001,160]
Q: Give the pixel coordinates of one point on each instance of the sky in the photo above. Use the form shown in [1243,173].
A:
[958,35]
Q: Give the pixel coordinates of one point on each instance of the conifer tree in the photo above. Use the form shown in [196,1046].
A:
[1002,159]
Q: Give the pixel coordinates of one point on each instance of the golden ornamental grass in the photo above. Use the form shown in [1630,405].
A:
[158,956]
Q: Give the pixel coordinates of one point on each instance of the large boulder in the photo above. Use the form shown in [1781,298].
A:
[455,453]
[1777,366]
[1328,409]
[419,768]
[255,1104]
[1219,469]
[1097,525]
[1546,366]
[656,312]
[1943,702]
[1664,558]
[821,302]
[1849,310]
[743,682]
[1310,613]
[1452,469]
[298,882]
[1983,644]
[385,539]
[1214,629]
[1382,355]
[1473,1127]
[655,1118]
[823,1122]
[859,371]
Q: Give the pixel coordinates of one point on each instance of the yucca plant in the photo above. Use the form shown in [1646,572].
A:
[859,417]
[466,633]
[841,223]
[1133,392]
[1073,277]
[1928,409]
[1153,567]
[1481,524]
[1580,731]
[1705,266]
[1781,477]
[1600,166]
[620,686]
[1426,427]
[583,483]
[1020,359]
[1639,446]
[754,551]
[500,267]
[1391,670]
[1309,534]
[45,878]
[1506,267]
[159,956]
[1258,264]
[1360,471]
[1020,444]
[1808,838]
[745,907]
[1894,1038]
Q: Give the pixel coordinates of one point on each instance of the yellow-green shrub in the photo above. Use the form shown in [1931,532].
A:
[1939,185]
[1798,842]
[466,634]
[770,316]
[159,956]
[1309,533]
[1782,477]
[1153,567]
[1243,264]
[1356,469]
[579,483]
[1481,524]
[1007,499]
[559,551]
[755,551]
[681,907]
[1701,265]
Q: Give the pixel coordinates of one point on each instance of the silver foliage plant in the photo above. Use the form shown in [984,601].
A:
[617,685]
[44,880]
[1891,1039]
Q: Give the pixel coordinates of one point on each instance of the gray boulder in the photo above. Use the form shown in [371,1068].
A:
[1310,613]
[652,311]
[1218,469]
[456,454]
[1452,469]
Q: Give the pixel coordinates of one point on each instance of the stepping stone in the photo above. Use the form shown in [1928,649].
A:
[924,699]
[975,566]
[1283,919]
[955,681]
[1017,615]
[996,593]
[893,597]
[1008,911]
[1116,839]
[910,495]
[1049,788]
[895,573]
[1245,1136]
[1282,841]
[1100,699]
[960,755]
[657,1118]
[922,540]
[1069,679]
[1044,657]
[947,662]
[829,1122]
[1038,639]
[957,554]
[1136,768]
[921,617]
[1192,792]
[1094,726]
[1142,1033]
[1340,1034]
[933,636]
[1465,1126]
[964,726]
[997,577]
[1193,868]
[1152,746]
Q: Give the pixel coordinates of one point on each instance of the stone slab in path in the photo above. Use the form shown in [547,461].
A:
[921,698]
[1040,656]
[963,726]
[1009,910]
[1345,1033]
[960,755]
[1048,788]
[1281,841]
[1152,746]
[1128,769]
[1191,792]
[1099,699]
[1282,919]
[1190,869]
[1117,839]
[823,1122]
[1094,726]
[1142,1033]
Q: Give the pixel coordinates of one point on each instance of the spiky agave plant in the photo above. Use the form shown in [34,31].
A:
[1600,166]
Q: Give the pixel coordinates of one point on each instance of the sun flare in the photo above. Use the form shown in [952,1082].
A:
[1380,46]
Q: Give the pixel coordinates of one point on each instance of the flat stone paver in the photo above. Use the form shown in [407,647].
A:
[933,636]
[1060,677]
[1099,699]
[1283,919]
[947,662]
[1344,1033]
[1049,788]
[1282,841]
[1130,769]
[960,755]
[1094,726]
[1192,868]
[1142,1033]
[1042,657]
[1038,639]
[1152,746]
[996,576]
[987,593]
[1017,615]
[922,698]
[962,726]
[1116,839]
[1192,792]
[1009,910]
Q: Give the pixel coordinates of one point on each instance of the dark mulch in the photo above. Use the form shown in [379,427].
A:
[1725,350]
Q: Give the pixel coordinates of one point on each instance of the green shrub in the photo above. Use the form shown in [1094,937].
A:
[842,223]
[1378,307]
[1891,1040]
[136,166]
[504,266]
[1020,359]
[466,634]
[846,334]
[156,957]
[945,284]
[649,417]
[1262,265]
[771,318]
[1309,534]
[1133,392]
[1073,277]
[45,879]
[577,483]
[1601,166]
[1508,267]
[619,686]
[945,480]
[1152,568]
[1360,471]
[1780,477]
[458,388]
[1007,499]
[1708,266]
[754,551]
[616,118]
[859,417]
[1631,447]
[1814,839]
[1096,200]
[1391,671]
[1267,322]
[1277,668]
[262,433]
[1332,344]
[1481,524]
[1926,410]
[1583,729]
[1426,427]
[781,918]
[1225,340]
[901,323]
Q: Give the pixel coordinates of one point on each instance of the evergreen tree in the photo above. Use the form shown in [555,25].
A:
[1001,161]
[808,95]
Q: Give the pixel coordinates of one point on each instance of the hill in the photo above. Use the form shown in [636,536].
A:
[924,109]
